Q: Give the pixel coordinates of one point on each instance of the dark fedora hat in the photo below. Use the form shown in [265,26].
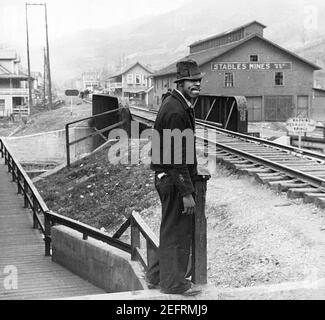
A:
[188,70]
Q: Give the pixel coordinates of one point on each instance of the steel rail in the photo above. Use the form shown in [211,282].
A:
[216,126]
[308,153]
[310,179]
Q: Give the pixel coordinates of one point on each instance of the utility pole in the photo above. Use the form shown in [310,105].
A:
[44,78]
[30,101]
[47,54]
[48,60]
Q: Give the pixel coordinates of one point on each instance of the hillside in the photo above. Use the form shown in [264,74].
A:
[161,40]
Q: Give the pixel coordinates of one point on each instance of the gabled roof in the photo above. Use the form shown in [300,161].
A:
[130,67]
[205,56]
[227,32]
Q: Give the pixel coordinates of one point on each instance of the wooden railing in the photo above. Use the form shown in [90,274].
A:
[34,201]
[43,218]
[98,132]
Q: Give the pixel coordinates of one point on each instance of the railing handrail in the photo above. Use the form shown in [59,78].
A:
[95,116]
[87,230]
[51,217]
[98,132]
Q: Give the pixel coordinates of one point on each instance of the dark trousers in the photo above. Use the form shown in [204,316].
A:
[170,265]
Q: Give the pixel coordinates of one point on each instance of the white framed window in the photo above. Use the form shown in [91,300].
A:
[229,79]
[143,79]
[129,78]
[137,79]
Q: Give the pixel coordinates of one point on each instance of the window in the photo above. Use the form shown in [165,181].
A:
[229,79]
[137,79]
[2,105]
[129,78]
[253,58]
[278,79]
[144,80]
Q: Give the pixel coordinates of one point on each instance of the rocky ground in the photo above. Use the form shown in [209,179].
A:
[255,236]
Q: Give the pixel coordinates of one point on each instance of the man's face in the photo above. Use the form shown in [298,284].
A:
[191,88]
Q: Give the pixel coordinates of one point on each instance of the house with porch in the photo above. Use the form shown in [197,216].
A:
[133,85]
[13,85]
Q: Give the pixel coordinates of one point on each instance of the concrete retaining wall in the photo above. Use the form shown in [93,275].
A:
[101,264]
[50,146]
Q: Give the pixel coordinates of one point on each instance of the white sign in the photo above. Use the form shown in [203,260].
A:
[300,126]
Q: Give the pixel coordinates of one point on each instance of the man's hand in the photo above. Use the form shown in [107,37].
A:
[189,204]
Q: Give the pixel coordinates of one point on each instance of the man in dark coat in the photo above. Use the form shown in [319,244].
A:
[175,169]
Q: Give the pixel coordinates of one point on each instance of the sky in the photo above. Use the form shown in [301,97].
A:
[68,16]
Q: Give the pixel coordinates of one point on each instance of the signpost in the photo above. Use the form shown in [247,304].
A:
[299,126]
[71,93]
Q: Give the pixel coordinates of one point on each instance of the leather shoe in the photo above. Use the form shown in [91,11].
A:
[192,291]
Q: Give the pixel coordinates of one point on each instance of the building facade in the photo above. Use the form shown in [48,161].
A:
[277,83]
[13,86]
[90,81]
[133,85]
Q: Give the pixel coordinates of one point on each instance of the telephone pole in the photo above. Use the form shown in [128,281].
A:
[48,69]
[30,101]
[44,78]
[48,60]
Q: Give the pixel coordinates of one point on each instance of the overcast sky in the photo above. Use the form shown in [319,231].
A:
[69,16]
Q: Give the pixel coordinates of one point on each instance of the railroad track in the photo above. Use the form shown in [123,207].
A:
[300,173]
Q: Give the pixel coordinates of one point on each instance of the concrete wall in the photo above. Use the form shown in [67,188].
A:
[50,146]
[101,264]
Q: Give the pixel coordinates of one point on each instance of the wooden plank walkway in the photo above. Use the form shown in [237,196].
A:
[22,247]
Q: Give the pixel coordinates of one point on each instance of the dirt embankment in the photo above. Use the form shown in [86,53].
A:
[254,235]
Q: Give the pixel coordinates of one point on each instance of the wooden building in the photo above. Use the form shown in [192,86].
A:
[133,85]
[13,86]
[277,83]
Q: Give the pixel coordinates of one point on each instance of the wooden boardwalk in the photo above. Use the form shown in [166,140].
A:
[22,249]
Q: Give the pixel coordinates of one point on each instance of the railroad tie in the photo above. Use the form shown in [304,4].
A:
[265,178]
[300,192]
[314,197]
[285,185]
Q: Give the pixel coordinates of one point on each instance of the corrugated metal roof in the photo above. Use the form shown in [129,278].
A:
[205,56]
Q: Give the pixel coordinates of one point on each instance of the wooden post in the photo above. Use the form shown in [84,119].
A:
[135,238]
[25,194]
[151,253]
[13,173]
[47,239]
[9,163]
[1,148]
[18,181]
[6,160]
[67,144]
[199,240]
[35,223]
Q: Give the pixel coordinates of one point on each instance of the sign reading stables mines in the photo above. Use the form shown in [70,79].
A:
[249,66]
